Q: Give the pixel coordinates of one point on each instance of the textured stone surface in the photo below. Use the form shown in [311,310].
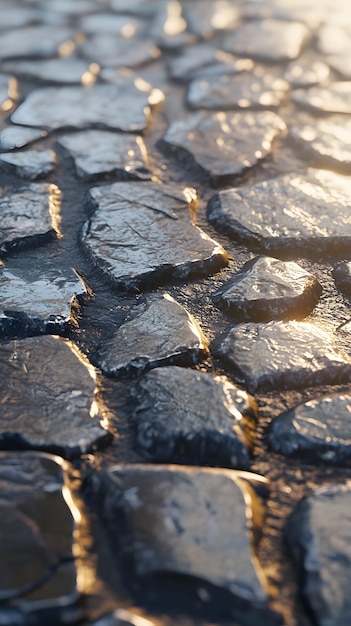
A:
[193,418]
[327,141]
[38,41]
[306,215]
[121,617]
[159,332]
[319,533]
[196,523]
[202,60]
[31,164]
[266,289]
[143,233]
[29,216]
[244,90]
[60,414]
[271,39]
[342,277]
[283,355]
[318,430]
[121,107]
[113,51]
[98,153]
[223,145]
[333,98]
[12,137]
[65,70]
[36,538]
[304,72]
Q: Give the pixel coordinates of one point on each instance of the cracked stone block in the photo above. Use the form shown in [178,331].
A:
[269,40]
[13,137]
[8,92]
[41,304]
[201,524]
[38,572]
[121,617]
[109,50]
[305,72]
[119,106]
[31,164]
[244,90]
[158,332]
[326,141]
[98,153]
[342,276]
[203,60]
[283,355]
[266,289]
[206,18]
[142,234]
[30,216]
[223,145]
[291,214]
[57,387]
[319,536]
[333,98]
[317,431]
[193,418]
[38,41]
[62,71]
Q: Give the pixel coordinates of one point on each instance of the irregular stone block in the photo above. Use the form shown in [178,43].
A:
[193,418]
[319,533]
[266,289]
[333,98]
[48,377]
[317,431]
[142,234]
[206,18]
[160,332]
[342,276]
[326,141]
[120,25]
[99,153]
[29,216]
[289,215]
[38,41]
[284,355]
[31,164]
[109,50]
[202,60]
[12,137]
[223,145]
[65,70]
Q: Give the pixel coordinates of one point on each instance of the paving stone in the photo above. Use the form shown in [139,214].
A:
[266,289]
[36,546]
[142,233]
[342,277]
[193,418]
[305,72]
[62,71]
[143,8]
[203,60]
[30,216]
[223,145]
[318,533]
[30,164]
[271,40]
[121,617]
[206,18]
[108,23]
[119,106]
[12,17]
[316,431]
[39,304]
[158,332]
[327,141]
[38,41]
[113,51]
[283,355]
[244,90]
[12,137]
[60,411]
[333,98]
[98,153]
[292,214]
[189,522]
[8,92]
[67,8]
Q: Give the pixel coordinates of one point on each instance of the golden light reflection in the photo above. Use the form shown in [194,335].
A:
[66,48]
[175,23]
[225,15]
[128,31]
[55,208]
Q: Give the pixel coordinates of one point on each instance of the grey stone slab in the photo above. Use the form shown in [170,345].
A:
[270,40]
[206,18]
[342,277]
[142,234]
[66,70]
[203,60]
[39,304]
[292,214]
[318,533]
[30,216]
[36,539]
[48,377]
[13,137]
[144,8]
[327,141]
[158,332]
[31,164]
[98,153]
[8,92]
[333,98]
[67,7]
[245,90]
[283,355]
[113,51]
[201,524]
[14,17]
[36,41]
[119,106]
[122,25]
[306,72]
[266,289]
[122,617]
[193,418]
[317,431]
[223,145]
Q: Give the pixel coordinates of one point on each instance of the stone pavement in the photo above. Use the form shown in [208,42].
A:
[175,329]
